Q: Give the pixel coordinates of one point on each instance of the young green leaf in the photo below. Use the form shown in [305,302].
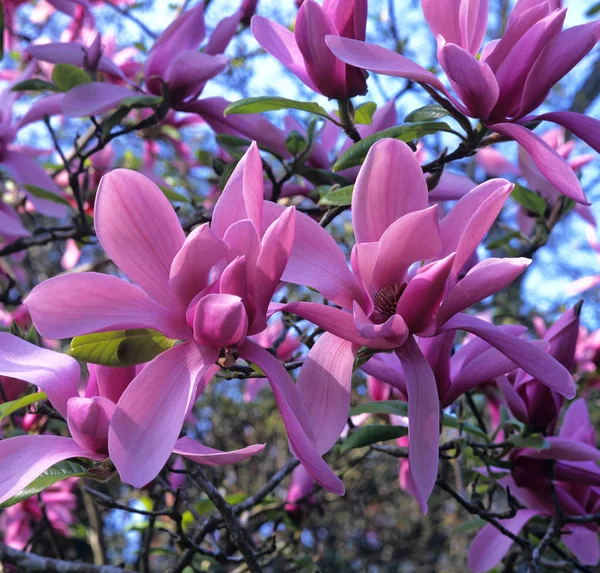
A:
[35,85]
[427,113]
[368,435]
[7,408]
[47,195]
[120,347]
[363,114]
[66,77]
[173,196]
[267,103]
[529,200]
[338,198]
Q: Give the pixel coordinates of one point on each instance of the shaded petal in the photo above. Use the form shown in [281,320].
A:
[547,160]
[139,230]
[387,369]
[390,184]
[26,457]
[48,105]
[325,386]
[149,416]
[281,44]
[189,72]
[243,196]
[564,449]
[294,415]
[112,382]
[515,403]
[394,327]
[527,356]
[223,33]
[316,260]
[80,303]
[576,417]
[56,374]
[583,543]
[484,279]
[490,545]
[191,266]
[88,420]
[424,419]
[206,456]
[93,98]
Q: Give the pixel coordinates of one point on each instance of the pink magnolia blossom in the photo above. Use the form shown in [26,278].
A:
[300,494]
[577,490]
[88,414]
[496,164]
[210,290]
[529,401]
[18,521]
[509,80]
[585,283]
[387,299]
[304,52]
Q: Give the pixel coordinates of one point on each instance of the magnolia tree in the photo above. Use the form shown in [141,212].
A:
[237,340]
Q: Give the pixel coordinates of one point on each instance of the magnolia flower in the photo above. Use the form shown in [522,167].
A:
[576,487]
[585,283]
[210,290]
[509,80]
[304,52]
[390,296]
[88,415]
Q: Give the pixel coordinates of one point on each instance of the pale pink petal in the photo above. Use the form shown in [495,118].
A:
[424,419]
[26,457]
[71,255]
[490,546]
[139,230]
[149,416]
[393,328]
[48,105]
[325,386]
[483,280]
[527,356]
[281,44]
[581,285]
[200,454]
[56,374]
[390,184]
[547,160]
[94,98]
[243,195]
[80,303]
[495,163]
[294,415]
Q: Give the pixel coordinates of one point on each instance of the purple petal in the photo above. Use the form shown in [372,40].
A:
[200,454]
[585,127]
[294,415]
[88,420]
[390,184]
[56,374]
[94,98]
[48,105]
[189,72]
[583,543]
[577,417]
[149,416]
[424,419]
[223,33]
[80,303]
[139,230]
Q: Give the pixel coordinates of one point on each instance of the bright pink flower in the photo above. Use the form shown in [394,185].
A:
[304,52]
[300,493]
[509,80]
[577,480]
[88,415]
[211,290]
[389,298]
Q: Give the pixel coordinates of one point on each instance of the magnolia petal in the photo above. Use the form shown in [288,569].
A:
[201,454]
[94,98]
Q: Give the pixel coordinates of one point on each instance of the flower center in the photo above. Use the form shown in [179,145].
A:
[387,297]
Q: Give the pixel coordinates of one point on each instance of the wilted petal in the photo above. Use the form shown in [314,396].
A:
[547,160]
[149,416]
[139,230]
[424,419]
[325,385]
[294,415]
[80,303]
[390,184]
[56,374]
[200,454]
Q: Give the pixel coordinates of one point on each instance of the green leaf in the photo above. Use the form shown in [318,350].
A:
[173,196]
[35,85]
[295,143]
[368,435]
[120,347]
[113,120]
[504,240]
[593,10]
[427,113]
[339,197]
[451,421]
[66,77]
[53,475]
[322,177]
[471,525]
[234,145]
[267,103]
[141,101]
[47,195]
[535,441]
[407,132]
[7,408]
[363,114]
[529,200]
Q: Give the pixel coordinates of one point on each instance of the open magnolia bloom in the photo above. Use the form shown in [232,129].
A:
[211,290]
[508,81]
[410,276]
[88,415]
[574,456]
